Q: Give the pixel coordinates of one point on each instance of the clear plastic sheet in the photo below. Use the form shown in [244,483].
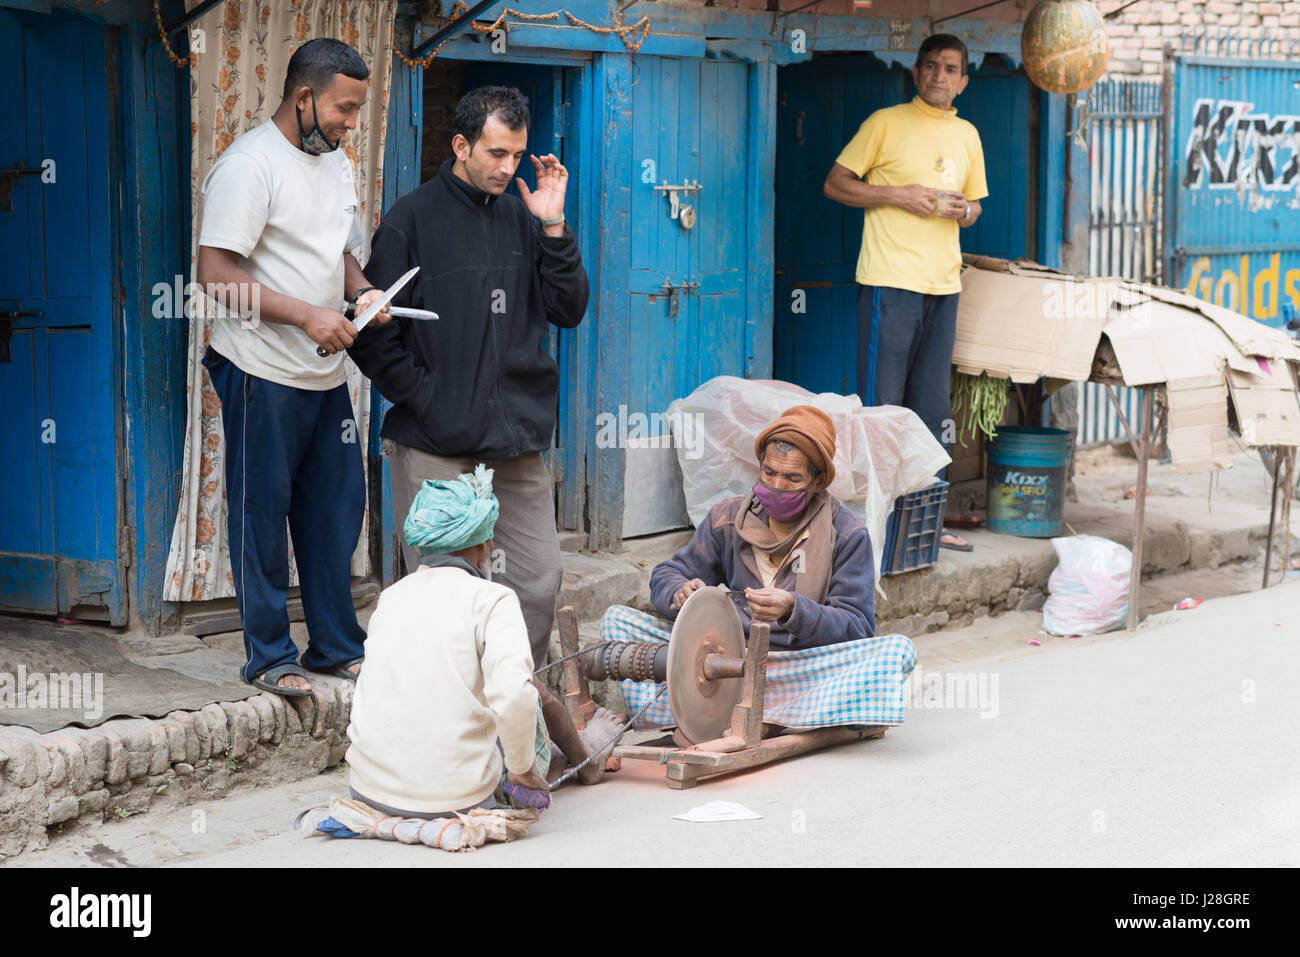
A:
[881,452]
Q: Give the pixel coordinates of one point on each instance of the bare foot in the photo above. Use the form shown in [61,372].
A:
[602,726]
[290,681]
[355,669]
[558,764]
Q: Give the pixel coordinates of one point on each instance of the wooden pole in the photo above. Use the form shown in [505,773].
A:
[747,716]
[1140,506]
[577,696]
[1272,513]
[1288,492]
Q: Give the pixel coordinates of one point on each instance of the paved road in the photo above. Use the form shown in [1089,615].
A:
[1174,745]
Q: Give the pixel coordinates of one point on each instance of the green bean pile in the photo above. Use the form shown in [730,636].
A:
[981,400]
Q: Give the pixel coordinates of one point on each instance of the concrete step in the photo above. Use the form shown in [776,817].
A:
[571,541]
[592,583]
[222,614]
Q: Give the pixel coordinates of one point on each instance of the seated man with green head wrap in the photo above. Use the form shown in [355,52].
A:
[449,674]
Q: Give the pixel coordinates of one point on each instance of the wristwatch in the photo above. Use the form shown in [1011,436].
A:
[361,292]
[553,222]
[966,218]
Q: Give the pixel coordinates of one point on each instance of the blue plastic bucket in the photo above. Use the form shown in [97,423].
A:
[1026,480]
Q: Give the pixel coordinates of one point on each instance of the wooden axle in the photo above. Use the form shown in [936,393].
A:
[723,666]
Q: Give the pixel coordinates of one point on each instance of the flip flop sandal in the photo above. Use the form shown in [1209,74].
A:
[968,547]
[341,671]
[268,683]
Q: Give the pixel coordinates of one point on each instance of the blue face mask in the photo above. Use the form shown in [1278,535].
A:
[314,142]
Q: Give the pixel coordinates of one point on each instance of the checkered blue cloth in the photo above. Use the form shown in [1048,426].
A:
[854,682]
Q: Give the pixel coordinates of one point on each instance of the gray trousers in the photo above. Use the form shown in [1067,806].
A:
[526,546]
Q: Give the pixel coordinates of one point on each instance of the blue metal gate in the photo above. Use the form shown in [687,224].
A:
[1234,173]
[1124,234]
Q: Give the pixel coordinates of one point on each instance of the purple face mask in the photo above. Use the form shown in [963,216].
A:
[779,504]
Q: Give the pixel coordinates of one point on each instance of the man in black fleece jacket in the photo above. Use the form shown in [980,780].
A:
[476,385]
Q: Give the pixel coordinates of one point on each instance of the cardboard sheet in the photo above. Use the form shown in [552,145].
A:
[1198,424]
[1157,342]
[1252,338]
[1029,324]
[1265,403]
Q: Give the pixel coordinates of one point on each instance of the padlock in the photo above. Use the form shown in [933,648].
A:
[686,216]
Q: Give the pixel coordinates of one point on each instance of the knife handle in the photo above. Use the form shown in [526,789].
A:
[350,311]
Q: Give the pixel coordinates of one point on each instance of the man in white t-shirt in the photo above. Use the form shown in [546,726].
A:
[280,232]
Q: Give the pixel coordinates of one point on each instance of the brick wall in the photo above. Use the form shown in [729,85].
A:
[444,85]
[1137,34]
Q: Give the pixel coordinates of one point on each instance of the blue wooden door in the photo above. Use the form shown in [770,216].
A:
[538,84]
[820,105]
[59,535]
[690,123]
[997,100]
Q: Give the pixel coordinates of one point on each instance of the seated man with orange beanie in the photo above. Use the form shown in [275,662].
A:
[805,565]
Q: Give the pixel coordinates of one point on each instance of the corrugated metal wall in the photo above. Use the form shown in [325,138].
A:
[1234,179]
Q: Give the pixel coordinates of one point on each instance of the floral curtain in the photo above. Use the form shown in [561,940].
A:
[239,53]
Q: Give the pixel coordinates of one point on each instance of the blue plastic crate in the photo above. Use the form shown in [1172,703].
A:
[912,535]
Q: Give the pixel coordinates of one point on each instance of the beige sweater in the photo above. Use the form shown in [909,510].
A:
[447,673]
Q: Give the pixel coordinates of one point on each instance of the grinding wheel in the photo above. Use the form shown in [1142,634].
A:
[707,624]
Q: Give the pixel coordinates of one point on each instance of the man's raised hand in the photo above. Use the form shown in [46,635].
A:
[547,200]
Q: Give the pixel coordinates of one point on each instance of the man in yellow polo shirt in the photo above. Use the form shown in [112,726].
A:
[918,171]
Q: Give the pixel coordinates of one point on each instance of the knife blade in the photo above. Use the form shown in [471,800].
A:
[373,309]
[397,312]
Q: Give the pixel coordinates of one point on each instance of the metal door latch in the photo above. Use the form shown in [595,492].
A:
[7,317]
[674,291]
[7,177]
[684,213]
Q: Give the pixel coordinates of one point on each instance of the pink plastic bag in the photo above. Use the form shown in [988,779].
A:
[1089,588]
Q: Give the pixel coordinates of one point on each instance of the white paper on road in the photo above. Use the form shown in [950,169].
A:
[716,811]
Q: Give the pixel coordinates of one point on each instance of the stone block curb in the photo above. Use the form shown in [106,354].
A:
[126,765]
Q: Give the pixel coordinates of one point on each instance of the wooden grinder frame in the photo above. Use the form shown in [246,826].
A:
[741,748]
